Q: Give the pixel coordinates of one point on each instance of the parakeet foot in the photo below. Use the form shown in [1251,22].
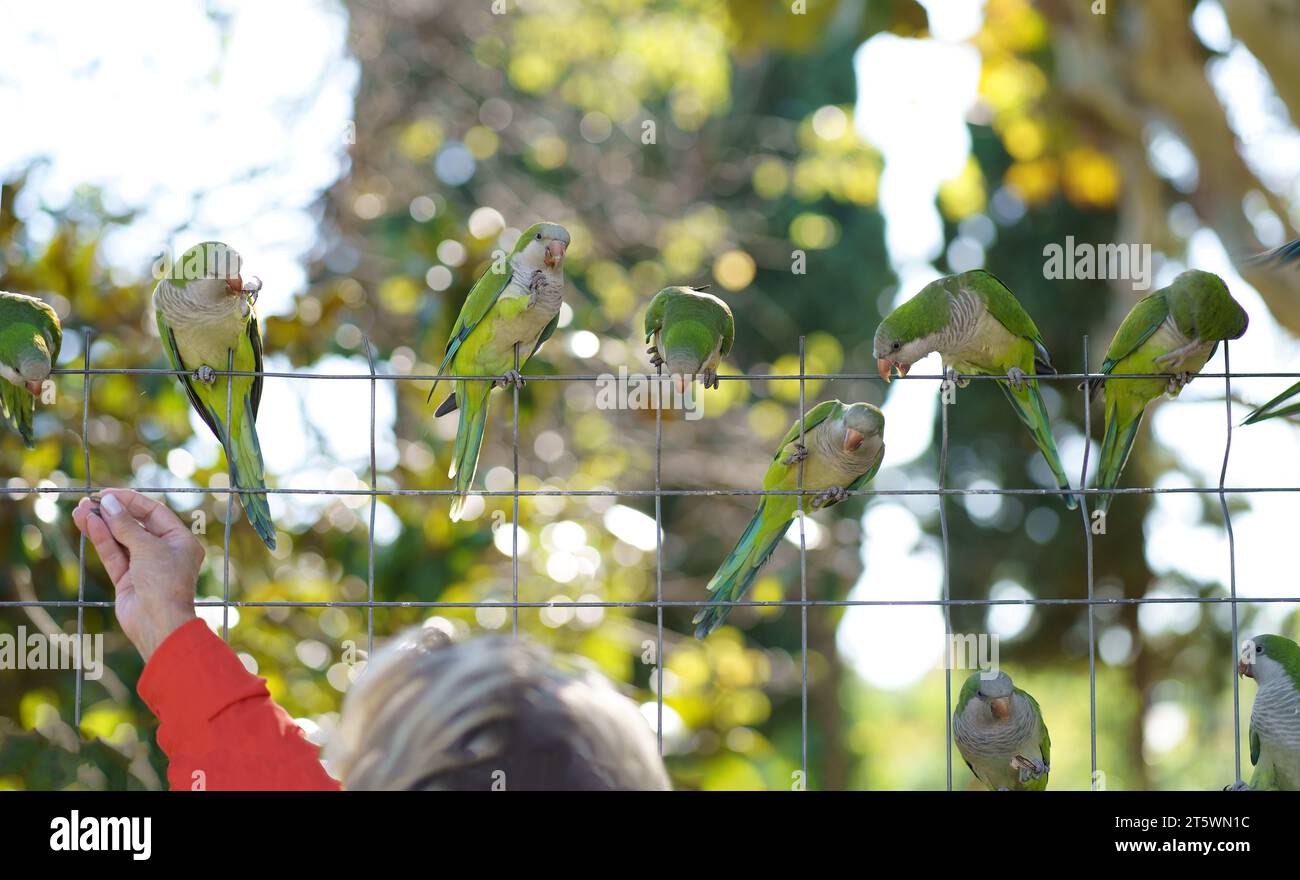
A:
[512,379]
[799,454]
[1016,378]
[655,359]
[833,495]
[252,287]
[1177,382]
[206,375]
[1238,786]
[710,378]
[955,378]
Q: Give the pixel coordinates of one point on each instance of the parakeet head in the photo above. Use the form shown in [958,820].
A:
[864,430]
[993,694]
[34,357]
[910,332]
[208,272]
[1202,307]
[542,245]
[1266,657]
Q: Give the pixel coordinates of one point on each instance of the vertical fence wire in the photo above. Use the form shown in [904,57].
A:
[659,563]
[81,544]
[1232,563]
[803,583]
[374,504]
[514,523]
[230,498]
[947,579]
[1087,542]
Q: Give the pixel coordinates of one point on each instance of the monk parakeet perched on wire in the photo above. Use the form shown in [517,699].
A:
[691,331]
[204,312]
[841,451]
[999,730]
[1274,663]
[978,327]
[1174,330]
[30,337]
[519,305]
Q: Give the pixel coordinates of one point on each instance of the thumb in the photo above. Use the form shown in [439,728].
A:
[124,527]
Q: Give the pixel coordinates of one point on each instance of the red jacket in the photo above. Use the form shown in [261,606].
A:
[217,722]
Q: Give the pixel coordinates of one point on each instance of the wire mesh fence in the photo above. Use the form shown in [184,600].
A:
[659,603]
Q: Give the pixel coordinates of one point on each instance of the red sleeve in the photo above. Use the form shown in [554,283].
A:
[217,722]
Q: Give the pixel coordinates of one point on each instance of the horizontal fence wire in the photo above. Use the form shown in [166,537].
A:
[940,491]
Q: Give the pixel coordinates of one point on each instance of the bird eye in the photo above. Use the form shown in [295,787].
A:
[538,236]
[1259,649]
[897,346]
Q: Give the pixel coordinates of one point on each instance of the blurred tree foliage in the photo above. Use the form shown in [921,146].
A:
[679,142]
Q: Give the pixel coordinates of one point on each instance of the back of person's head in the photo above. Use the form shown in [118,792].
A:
[489,712]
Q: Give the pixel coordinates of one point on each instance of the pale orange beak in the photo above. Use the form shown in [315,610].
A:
[235,286]
[887,367]
[1001,707]
[853,439]
[555,253]
[35,388]
[1243,669]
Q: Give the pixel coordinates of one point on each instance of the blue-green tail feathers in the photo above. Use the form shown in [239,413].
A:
[1032,411]
[472,398]
[1116,444]
[737,573]
[248,471]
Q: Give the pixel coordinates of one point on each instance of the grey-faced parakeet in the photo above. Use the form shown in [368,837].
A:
[691,331]
[1174,330]
[999,730]
[1274,663]
[204,312]
[979,328]
[519,305]
[843,445]
[30,337]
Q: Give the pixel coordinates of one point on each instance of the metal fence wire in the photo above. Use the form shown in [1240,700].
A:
[941,492]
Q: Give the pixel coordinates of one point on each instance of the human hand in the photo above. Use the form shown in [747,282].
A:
[152,559]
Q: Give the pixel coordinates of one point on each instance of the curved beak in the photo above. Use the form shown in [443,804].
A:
[235,286]
[1243,669]
[555,253]
[853,439]
[887,367]
[1001,707]
[34,387]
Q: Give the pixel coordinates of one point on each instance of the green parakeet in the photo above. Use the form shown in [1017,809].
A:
[514,303]
[978,327]
[30,337]
[1174,330]
[842,449]
[1274,663]
[691,331]
[204,312]
[999,730]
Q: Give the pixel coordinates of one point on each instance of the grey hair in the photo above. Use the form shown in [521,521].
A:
[490,712]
